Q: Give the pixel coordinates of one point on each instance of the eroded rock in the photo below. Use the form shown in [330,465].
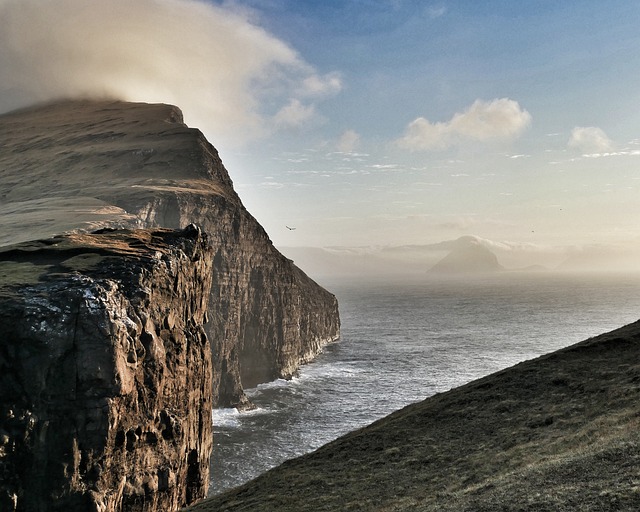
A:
[105,372]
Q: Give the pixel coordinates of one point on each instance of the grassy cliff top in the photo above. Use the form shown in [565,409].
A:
[557,433]
[84,165]
[30,263]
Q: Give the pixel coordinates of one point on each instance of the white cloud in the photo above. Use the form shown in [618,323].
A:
[211,61]
[484,120]
[294,115]
[635,152]
[317,86]
[493,245]
[348,141]
[589,139]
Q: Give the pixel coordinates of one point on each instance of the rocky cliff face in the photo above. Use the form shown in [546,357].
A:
[105,372]
[83,165]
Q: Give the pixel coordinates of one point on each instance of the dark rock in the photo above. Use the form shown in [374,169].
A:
[84,165]
[103,405]
[472,257]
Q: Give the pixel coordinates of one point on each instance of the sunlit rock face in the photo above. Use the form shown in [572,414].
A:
[83,165]
[105,372]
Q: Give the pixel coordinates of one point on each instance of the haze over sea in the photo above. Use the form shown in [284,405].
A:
[404,339]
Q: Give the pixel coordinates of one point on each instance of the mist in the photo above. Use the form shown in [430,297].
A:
[214,63]
[367,262]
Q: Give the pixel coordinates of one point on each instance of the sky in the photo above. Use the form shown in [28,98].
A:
[373,122]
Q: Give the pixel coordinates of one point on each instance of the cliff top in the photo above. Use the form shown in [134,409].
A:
[88,164]
[556,433]
[30,263]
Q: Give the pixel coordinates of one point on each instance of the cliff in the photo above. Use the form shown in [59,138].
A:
[105,372]
[82,165]
[556,433]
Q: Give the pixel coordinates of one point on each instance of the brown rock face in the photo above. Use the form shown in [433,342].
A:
[105,372]
[83,165]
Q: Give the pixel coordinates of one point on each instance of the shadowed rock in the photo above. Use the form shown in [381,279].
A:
[469,258]
[105,372]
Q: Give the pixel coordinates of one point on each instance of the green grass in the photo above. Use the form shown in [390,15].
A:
[15,273]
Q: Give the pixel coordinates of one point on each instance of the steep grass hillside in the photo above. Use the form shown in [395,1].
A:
[558,433]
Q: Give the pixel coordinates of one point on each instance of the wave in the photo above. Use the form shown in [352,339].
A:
[232,418]
[336,370]
[225,418]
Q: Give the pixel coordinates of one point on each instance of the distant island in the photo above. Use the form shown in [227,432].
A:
[466,254]
[471,258]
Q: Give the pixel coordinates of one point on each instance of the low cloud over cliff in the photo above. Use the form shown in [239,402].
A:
[209,60]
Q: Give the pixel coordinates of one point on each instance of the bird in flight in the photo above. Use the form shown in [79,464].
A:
[290,228]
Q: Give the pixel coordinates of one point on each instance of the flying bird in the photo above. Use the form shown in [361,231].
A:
[290,228]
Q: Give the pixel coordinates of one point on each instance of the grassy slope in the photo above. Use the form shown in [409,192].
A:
[557,433]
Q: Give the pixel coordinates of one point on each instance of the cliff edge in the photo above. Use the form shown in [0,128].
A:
[105,372]
[84,165]
[559,433]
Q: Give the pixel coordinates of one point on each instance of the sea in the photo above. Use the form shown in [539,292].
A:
[404,339]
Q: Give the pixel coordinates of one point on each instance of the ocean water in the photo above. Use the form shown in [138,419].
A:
[404,339]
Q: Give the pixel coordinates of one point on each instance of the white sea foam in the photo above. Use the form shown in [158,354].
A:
[225,418]
[335,370]
[232,418]
[278,383]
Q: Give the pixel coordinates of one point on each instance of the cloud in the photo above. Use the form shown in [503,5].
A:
[221,69]
[500,247]
[634,152]
[589,139]
[317,86]
[294,115]
[348,142]
[498,119]
[436,12]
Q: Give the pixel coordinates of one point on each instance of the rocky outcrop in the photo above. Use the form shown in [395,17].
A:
[471,258]
[105,372]
[82,165]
